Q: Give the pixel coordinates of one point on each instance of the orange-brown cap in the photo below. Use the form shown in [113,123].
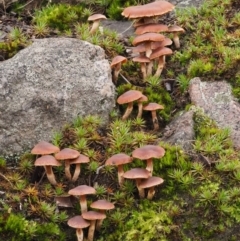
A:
[93,215]
[78,222]
[148,151]
[118,159]
[151,182]
[117,60]
[141,59]
[151,28]
[153,106]
[156,8]
[129,96]
[97,16]
[44,148]
[66,154]
[176,28]
[102,205]
[165,42]
[143,98]
[82,190]
[148,37]
[81,159]
[136,173]
[47,160]
[162,51]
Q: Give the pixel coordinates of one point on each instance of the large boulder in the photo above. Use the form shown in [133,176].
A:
[47,85]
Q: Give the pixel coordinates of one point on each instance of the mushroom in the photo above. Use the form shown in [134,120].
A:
[119,160]
[148,152]
[147,39]
[128,98]
[160,53]
[116,65]
[138,174]
[47,161]
[79,223]
[96,18]
[82,191]
[81,159]
[67,154]
[44,148]
[140,101]
[151,28]
[150,183]
[64,201]
[92,216]
[102,206]
[153,107]
[142,60]
[176,30]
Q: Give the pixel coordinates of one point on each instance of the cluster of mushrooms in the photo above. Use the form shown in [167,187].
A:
[149,43]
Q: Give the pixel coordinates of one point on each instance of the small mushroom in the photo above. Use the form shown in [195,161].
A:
[78,161]
[47,161]
[138,174]
[44,148]
[102,206]
[119,160]
[176,30]
[153,107]
[150,183]
[116,65]
[82,191]
[148,152]
[96,18]
[142,60]
[78,223]
[92,216]
[67,154]
[128,98]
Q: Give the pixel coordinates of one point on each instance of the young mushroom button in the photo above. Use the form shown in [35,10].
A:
[176,30]
[128,98]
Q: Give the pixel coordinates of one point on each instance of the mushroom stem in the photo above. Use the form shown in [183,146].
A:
[91,230]
[176,40]
[120,177]
[50,175]
[149,68]
[128,111]
[116,72]
[140,109]
[67,170]
[150,166]
[144,70]
[79,233]
[100,221]
[83,203]
[161,63]
[76,172]
[151,193]
[155,120]
[140,190]
[95,26]
[148,48]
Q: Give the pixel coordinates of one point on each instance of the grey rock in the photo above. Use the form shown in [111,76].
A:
[216,99]
[180,131]
[47,85]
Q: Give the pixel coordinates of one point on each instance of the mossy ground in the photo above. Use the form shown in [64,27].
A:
[200,197]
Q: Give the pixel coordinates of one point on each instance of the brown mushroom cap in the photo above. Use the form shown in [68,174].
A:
[97,16]
[148,37]
[81,159]
[151,182]
[78,222]
[162,51]
[165,42]
[66,154]
[93,215]
[176,28]
[82,190]
[44,148]
[137,173]
[156,8]
[143,98]
[141,59]
[118,159]
[118,59]
[148,151]
[151,28]
[102,205]
[153,106]
[129,96]
[47,160]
